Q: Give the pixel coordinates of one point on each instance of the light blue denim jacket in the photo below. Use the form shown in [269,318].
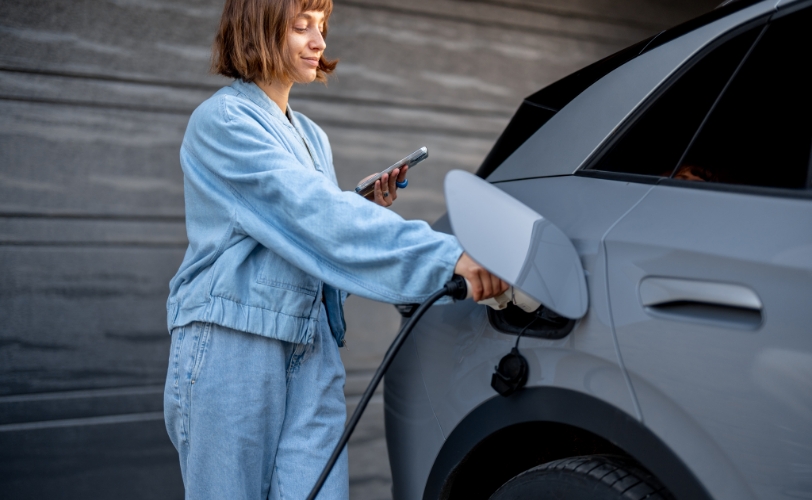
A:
[270,232]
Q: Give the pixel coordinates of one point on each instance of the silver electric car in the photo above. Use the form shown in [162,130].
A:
[672,354]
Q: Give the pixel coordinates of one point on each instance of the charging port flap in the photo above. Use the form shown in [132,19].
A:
[516,243]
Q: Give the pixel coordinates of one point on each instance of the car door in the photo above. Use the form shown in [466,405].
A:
[710,274]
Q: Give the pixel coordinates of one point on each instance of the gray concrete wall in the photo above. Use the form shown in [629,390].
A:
[94,99]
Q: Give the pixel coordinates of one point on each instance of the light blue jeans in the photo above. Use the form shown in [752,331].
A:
[253,417]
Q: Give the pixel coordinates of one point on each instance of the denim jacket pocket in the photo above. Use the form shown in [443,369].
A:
[277,272]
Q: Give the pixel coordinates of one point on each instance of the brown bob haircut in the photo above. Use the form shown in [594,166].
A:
[251,43]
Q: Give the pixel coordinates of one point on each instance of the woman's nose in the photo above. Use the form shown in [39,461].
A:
[317,42]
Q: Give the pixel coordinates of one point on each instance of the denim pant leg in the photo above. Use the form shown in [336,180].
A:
[314,420]
[224,406]
[254,417]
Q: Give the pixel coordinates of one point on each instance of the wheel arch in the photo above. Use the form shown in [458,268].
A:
[488,438]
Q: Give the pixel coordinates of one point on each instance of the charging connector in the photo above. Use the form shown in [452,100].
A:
[515,296]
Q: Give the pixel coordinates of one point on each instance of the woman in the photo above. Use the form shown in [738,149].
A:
[254,393]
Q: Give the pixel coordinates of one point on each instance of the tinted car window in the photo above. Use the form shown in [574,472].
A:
[656,140]
[760,131]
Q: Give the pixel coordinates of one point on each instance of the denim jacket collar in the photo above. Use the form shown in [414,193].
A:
[258,96]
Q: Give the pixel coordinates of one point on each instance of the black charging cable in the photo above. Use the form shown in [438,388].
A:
[519,337]
[458,290]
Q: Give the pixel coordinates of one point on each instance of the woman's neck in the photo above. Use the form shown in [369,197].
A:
[278,92]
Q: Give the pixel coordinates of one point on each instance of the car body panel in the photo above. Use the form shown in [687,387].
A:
[687,439]
[456,348]
[413,436]
[563,144]
[691,355]
[460,351]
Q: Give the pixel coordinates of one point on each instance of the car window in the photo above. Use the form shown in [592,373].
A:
[760,131]
[656,140]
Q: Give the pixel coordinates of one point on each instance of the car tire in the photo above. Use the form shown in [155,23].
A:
[593,477]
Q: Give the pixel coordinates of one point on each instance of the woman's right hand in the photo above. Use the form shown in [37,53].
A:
[484,285]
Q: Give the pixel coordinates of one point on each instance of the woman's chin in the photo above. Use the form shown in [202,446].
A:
[308,76]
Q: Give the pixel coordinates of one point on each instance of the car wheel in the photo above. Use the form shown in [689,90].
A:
[594,477]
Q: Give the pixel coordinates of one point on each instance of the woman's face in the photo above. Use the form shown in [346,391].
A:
[306,44]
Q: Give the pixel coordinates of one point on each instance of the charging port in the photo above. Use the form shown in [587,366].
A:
[548,325]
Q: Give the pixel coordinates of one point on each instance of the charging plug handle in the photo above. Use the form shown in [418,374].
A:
[458,288]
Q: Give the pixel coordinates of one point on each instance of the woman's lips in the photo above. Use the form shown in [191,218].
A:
[312,61]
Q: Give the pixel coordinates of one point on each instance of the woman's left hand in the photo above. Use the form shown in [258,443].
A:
[386,191]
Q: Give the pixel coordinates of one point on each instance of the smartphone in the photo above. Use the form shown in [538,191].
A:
[365,188]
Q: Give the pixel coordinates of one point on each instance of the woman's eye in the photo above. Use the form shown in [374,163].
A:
[300,29]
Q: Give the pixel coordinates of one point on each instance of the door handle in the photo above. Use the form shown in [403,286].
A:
[659,291]
[722,304]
